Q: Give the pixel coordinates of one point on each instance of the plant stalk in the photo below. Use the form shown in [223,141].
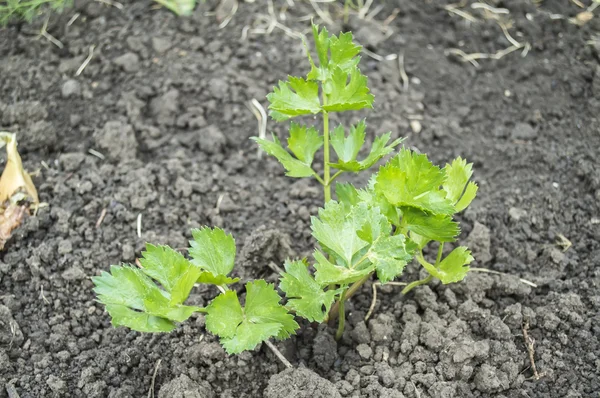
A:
[438,259]
[414,284]
[336,308]
[326,167]
[342,314]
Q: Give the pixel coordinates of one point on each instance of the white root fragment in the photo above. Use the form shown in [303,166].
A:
[491,271]
[278,354]
[139,225]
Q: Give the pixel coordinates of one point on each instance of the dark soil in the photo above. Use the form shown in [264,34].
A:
[163,99]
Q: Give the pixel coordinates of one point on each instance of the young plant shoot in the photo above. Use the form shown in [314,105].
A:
[374,231]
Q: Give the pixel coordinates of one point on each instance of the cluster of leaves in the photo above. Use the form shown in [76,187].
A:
[335,85]
[376,230]
[28,9]
[151,297]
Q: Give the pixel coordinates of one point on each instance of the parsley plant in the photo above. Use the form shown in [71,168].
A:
[376,230]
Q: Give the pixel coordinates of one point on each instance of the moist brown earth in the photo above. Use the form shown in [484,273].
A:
[163,100]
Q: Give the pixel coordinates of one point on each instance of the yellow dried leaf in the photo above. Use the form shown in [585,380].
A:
[9,220]
[14,178]
[583,17]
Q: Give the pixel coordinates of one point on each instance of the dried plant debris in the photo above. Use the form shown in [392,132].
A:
[17,192]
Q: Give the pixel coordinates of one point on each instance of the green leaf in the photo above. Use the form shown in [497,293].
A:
[321,44]
[344,54]
[305,296]
[457,175]
[173,271]
[328,273]
[419,240]
[224,315]
[142,322]
[453,268]
[262,306]
[335,229]
[213,250]
[409,179]
[209,278]
[344,95]
[293,166]
[347,148]
[130,287]
[390,254]
[243,329]
[346,193]
[249,335]
[375,199]
[378,151]
[467,197]
[304,142]
[294,98]
[438,227]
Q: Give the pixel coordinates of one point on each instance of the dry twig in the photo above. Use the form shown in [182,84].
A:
[101,218]
[260,114]
[374,300]
[491,271]
[529,342]
[44,33]
[278,354]
[85,63]
[151,390]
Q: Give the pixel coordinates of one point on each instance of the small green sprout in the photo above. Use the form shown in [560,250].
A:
[371,232]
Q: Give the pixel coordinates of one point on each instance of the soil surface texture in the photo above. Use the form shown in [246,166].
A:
[154,133]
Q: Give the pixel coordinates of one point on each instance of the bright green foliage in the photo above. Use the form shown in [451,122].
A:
[134,300]
[333,52]
[344,95]
[293,166]
[334,85]
[305,295]
[438,227]
[347,148]
[293,98]
[453,268]
[329,273]
[467,198]
[151,298]
[357,237]
[376,230]
[304,142]
[336,230]
[409,179]
[243,329]
[390,254]
[213,251]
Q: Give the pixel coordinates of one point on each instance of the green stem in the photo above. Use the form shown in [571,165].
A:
[438,259]
[335,308]
[336,175]
[326,167]
[414,284]
[342,314]
[319,179]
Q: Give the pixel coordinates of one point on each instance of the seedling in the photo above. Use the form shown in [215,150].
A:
[28,9]
[374,231]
